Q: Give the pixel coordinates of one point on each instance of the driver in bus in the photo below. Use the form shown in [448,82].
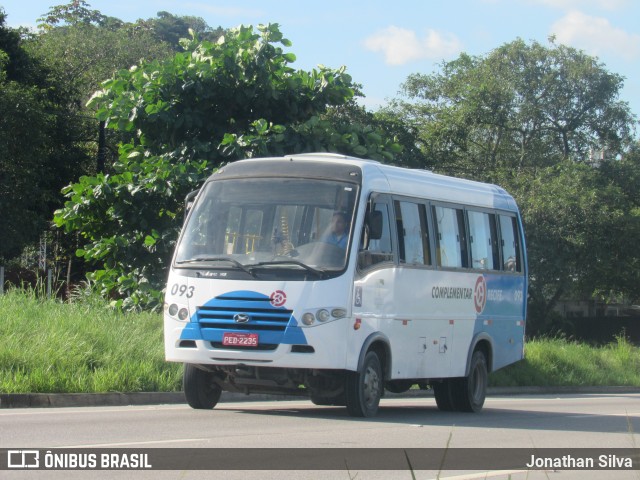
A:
[338,235]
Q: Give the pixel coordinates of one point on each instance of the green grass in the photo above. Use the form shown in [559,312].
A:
[50,346]
[47,346]
[560,362]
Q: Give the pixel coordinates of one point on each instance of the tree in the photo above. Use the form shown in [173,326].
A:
[581,229]
[382,124]
[213,103]
[521,107]
[30,177]
[76,12]
[81,48]
[48,136]
[547,124]
[170,29]
[623,174]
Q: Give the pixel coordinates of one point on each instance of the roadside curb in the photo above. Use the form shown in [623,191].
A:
[56,400]
[26,400]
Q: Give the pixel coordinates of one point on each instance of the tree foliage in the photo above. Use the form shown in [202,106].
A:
[521,107]
[80,48]
[87,47]
[581,228]
[547,124]
[48,136]
[384,124]
[170,29]
[76,12]
[34,165]
[213,103]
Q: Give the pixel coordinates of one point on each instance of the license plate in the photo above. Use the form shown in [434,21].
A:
[230,339]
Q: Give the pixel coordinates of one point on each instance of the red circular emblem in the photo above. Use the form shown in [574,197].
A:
[278,298]
[480,294]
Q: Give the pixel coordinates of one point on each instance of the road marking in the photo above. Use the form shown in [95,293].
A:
[150,442]
[582,397]
[580,415]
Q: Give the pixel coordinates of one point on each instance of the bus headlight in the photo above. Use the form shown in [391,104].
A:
[177,311]
[308,318]
[323,315]
[338,313]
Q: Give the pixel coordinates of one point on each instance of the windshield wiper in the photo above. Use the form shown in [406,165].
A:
[315,271]
[209,259]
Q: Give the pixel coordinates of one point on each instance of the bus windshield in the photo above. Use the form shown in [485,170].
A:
[258,224]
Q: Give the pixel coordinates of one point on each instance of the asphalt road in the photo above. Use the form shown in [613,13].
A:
[545,421]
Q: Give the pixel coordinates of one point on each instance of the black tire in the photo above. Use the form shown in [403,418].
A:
[363,389]
[443,391]
[470,392]
[200,389]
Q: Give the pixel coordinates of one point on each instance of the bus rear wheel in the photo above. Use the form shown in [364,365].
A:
[200,389]
[470,392]
[363,389]
[443,391]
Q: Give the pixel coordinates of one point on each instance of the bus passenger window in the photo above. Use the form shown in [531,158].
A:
[510,245]
[482,237]
[378,250]
[412,233]
[451,246]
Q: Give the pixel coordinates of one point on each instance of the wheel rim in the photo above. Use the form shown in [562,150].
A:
[371,386]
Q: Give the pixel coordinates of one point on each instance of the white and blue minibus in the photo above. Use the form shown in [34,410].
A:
[338,278]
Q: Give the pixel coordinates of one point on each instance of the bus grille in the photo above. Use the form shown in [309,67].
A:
[258,320]
[223,311]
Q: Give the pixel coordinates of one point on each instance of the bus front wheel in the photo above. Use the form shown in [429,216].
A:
[364,388]
[200,389]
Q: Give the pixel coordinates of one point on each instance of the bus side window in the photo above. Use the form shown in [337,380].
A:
[483,241]
[451,243]
[413,241]
[378,250]
[510,245]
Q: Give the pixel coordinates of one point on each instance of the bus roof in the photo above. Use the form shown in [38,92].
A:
[384,178]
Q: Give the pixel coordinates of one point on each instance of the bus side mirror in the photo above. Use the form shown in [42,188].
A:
[374,221]
[189,200]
